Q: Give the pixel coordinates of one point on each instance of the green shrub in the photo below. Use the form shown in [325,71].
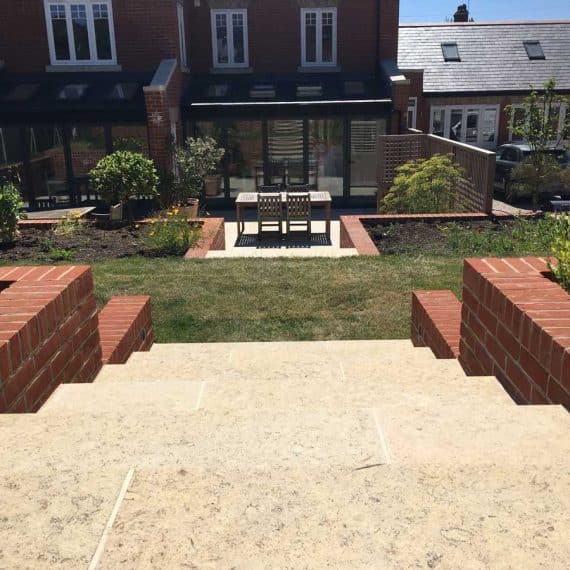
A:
[561,250]
[10,206]
[172,235]
[69,225]
[199,158]
[58,254]
[425,186]
[124,175]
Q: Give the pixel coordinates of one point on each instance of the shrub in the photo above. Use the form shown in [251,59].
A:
[561,250]
[172,235]
[10,206]
[124,175]
[425,186]
[199,158]
[58,254]
[69,224]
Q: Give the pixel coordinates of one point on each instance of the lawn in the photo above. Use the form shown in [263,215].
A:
[282,299]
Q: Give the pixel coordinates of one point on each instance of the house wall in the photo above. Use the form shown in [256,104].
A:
[274,32]
[146,32]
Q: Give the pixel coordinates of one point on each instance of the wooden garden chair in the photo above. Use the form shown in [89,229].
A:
[269,213]
[299,211]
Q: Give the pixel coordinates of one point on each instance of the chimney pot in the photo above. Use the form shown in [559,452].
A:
[462,14]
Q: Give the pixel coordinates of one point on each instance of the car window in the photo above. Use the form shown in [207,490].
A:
[510,154]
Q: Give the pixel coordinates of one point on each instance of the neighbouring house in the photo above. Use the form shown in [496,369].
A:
[464,74]
[295,90]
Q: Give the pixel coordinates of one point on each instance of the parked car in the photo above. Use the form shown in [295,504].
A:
[509,156]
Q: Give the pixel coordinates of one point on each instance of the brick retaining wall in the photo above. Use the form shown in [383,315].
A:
[516,325]
[125,326]
[48,333]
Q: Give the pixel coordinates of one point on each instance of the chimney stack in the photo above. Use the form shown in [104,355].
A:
[462,14]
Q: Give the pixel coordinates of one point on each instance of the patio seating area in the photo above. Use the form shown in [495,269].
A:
[273,223]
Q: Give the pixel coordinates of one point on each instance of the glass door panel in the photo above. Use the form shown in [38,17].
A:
[456,125]
[364,156]
[285,152]
[472,129]
[325,155]
[489,129]
[244,156]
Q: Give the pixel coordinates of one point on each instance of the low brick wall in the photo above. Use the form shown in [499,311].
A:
[353,233]
[48,333]
[516,326]
[125,326]
[436,322]
[213,238]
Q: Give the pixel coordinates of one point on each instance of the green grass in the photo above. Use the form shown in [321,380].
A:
[282,299]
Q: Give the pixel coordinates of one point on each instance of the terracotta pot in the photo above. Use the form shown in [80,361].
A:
[191,208]
[213,185]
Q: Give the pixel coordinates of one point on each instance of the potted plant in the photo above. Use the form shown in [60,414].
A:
[196,163]
[123,175]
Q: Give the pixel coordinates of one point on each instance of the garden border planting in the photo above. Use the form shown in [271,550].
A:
[353,234]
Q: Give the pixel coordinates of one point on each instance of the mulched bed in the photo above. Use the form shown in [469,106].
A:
[87,245]
[425,237]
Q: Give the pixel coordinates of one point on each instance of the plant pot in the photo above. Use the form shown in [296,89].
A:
[190,210]
[213,185]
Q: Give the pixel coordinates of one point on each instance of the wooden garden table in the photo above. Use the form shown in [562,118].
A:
[246,200]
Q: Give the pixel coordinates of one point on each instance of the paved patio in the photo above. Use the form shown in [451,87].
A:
[299,245]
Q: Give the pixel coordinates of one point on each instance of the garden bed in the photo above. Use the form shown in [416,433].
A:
[87,244]
[486,237]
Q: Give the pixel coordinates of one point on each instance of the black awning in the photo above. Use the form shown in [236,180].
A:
[66,97]
[302,95]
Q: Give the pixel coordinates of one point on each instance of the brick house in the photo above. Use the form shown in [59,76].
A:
[466,73]
[296,90]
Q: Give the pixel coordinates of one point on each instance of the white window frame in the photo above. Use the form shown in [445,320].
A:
[231,54]
[414,109]
[91,33]
[319,12]
[182,36]
[464,110]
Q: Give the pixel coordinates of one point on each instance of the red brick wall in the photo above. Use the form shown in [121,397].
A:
[125,326]
[436,322]
[275,35]
[48,333]
[516,326]
[146,32]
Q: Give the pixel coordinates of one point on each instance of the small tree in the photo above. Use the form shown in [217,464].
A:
[10,212]
[124,175]
[425,186]
[539,129]
[198,158]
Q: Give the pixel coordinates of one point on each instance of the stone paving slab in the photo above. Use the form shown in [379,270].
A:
[389,517]
[298,246]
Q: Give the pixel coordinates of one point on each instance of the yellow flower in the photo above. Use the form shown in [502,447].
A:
[137,226]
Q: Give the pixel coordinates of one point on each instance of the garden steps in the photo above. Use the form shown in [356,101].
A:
[286,455]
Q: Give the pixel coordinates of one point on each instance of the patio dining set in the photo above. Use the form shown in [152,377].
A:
[292,207]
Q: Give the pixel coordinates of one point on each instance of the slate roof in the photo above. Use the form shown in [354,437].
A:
[493,57]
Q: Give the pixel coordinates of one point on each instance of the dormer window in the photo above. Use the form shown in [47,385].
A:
[318,36]
[450,51]
[80,32]
[534,50]
[229,38]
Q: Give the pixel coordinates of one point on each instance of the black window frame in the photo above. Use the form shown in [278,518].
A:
[446,55]
[529,45]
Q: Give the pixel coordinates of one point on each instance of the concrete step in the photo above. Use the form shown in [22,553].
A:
[395,432]
[382,517]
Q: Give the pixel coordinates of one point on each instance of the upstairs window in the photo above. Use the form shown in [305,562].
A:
[80,32]
[450,52]
[318,36]
[229,38]
[534,50]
